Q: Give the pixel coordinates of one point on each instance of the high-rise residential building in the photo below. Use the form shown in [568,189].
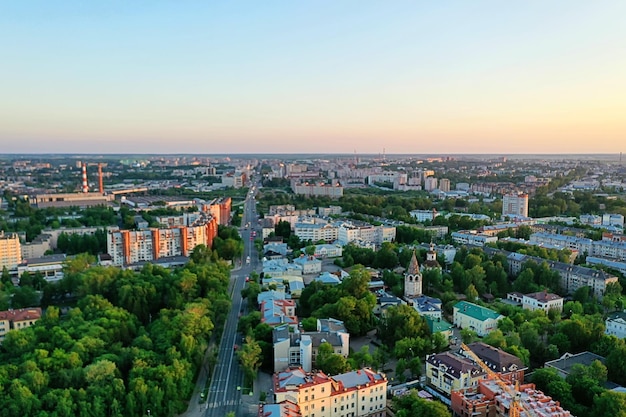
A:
[10,250]
[515,205]
[132,246]
[430,183]
[444,185]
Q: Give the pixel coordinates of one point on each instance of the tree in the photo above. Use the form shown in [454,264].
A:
[329,362]
[610,403]
[250,356]
[412,405]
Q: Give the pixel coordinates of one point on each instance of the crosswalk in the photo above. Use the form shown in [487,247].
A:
[218,404]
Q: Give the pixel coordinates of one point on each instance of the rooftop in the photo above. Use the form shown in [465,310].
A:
[475,311]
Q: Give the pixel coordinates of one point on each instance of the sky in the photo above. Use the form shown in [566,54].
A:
[324,76]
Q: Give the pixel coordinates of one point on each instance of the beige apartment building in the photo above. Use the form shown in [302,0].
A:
[360,393]
[10,250]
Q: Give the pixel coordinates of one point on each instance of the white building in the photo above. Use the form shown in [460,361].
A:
[424,215]
[430,183]
[316,232]
[515,205]
[616,325]
[542,301]
[470,237]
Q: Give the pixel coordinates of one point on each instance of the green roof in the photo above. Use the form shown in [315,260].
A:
[475,311]
[437,325]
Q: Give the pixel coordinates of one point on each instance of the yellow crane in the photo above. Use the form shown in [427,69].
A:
[517,405]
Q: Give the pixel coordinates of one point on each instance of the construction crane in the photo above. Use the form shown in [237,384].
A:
[517,405]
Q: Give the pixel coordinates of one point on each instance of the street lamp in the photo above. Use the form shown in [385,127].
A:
[148,412]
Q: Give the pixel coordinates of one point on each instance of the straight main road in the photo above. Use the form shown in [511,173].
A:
[224,394]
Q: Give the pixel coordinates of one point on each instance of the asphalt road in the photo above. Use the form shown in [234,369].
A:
[224,394]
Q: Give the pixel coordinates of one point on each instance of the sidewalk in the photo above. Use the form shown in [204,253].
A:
[250,403]
[195,408]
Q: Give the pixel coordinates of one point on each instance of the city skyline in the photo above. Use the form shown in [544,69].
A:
[329,77]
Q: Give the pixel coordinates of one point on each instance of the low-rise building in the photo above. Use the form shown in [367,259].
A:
[470,237]
[509,366]
[449,372]
[476,318]
[309,264]
[542,300]
[293,347]
[615,324]
[49,266]
[328,251]
[360,393]
[18,319]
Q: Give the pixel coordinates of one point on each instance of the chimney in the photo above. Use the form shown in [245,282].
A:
[85,185]
[100,179]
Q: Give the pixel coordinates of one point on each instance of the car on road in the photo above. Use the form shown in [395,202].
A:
[235,347]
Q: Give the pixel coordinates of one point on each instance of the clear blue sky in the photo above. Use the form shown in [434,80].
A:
[313,76]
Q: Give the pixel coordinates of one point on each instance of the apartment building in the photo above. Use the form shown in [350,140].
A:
[470,237]
[474,317]
[449,372]
[572,276]
[360,393]
[316,232]
[515,205]
[18,319]
[293,347]
[581,244]
[132,246]
[444,185]
[351,232]
[424,215]
[10,250]
[308,189]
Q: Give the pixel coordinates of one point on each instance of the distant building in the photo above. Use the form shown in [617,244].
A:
[515,205]
[322,189]
[573,277]
[444,185]
[81,200]
[424,215]
[470,237]
[18,319]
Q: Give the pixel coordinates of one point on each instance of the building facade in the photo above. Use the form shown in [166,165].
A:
[515,205]
[132,246]
[10,250]
[18,320]
[360,393]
